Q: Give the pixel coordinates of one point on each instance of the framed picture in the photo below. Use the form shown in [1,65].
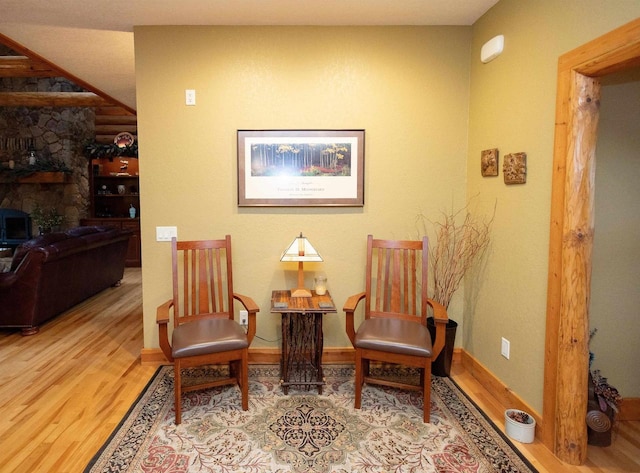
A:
[300,168]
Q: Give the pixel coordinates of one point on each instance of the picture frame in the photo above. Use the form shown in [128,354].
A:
[300,168]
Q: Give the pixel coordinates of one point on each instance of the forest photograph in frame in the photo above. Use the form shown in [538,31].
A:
[300,168]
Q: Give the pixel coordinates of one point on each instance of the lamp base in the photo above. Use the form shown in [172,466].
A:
[300,292]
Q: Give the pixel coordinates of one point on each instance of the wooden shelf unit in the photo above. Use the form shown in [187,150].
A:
[114,189]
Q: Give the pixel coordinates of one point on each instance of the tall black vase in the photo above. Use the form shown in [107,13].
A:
[442,365]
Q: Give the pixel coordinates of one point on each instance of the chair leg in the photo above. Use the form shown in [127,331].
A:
[244,380]
[359,379]
[177,381]
[426,392]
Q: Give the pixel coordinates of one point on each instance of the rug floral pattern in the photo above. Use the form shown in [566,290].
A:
[304,431]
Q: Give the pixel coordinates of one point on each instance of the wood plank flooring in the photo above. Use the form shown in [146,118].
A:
[64,390]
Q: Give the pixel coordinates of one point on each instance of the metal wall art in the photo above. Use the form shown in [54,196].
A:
[515,168]
[489,162]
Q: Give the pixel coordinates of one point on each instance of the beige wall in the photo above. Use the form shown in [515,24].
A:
[512,108]
[616,252]
[408,87]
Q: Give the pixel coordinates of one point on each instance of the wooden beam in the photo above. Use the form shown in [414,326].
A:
[51,99]
[116,119]
[568,294]
[17,47]
[111,110]
[577,244]
[23,66]
[115,129]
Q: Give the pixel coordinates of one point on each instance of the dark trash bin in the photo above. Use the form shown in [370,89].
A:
[442,365]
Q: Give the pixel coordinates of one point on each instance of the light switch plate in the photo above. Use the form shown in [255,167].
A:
[190,97]
[505,348]
[166,233]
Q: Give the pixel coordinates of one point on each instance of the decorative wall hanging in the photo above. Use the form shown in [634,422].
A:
[301,168]
[489,162]
[515,168]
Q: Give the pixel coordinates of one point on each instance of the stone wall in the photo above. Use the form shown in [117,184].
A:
[56,134]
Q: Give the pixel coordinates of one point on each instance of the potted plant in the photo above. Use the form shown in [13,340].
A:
[460,241]
[519,425]
[46,220]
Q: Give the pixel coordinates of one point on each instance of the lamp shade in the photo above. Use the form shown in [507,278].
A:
[300,249]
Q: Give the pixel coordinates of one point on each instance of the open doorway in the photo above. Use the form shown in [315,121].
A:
[571,235]
[614,297]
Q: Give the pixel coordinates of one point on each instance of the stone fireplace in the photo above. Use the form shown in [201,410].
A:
[55,134]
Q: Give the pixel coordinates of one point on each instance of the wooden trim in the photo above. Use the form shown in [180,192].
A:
[19,48]
[570,232]
[500,391]
[629,409]
[152,357]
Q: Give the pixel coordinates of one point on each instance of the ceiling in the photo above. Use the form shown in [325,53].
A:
[93,39]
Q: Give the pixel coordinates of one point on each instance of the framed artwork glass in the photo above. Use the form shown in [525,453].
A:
[300,168]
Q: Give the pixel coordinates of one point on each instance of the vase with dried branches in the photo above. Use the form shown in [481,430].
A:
[461,239]
[458,240]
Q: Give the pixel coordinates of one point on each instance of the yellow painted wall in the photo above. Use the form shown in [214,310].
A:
[429,107]
[408,87]
[512,108]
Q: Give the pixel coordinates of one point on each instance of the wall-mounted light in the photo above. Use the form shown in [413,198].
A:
[492,49]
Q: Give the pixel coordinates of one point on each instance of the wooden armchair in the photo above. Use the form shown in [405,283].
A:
[394,329]
[204,329]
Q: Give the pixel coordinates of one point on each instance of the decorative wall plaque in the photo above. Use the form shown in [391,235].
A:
[489,162]
[515,168]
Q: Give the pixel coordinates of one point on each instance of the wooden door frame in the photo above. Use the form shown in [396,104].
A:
[563,428]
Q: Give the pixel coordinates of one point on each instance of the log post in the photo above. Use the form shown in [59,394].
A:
[577,244]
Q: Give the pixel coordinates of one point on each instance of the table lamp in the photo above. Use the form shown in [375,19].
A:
[300,250]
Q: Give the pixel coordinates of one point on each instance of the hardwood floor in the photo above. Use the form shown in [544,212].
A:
[622,456]
[64,390]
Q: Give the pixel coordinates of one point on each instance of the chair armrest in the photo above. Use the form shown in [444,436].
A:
[252,308]
[349,308]
[441,319]
[162,319]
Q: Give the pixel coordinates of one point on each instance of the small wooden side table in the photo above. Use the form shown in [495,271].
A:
[302,338]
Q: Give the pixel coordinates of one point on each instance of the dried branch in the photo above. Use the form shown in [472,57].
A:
[458,245]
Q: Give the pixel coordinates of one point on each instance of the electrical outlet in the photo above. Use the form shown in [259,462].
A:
[506,346]
[166,233]
[244,317]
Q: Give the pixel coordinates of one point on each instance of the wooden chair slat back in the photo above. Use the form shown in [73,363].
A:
[396,279]
[202,279]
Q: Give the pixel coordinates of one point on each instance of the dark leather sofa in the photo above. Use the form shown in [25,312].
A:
[52,273]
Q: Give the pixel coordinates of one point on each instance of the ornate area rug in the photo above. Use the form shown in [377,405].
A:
[304,431]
